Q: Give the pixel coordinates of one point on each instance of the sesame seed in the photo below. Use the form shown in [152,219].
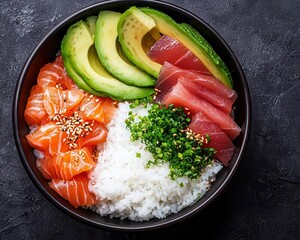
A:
[115,104]
[74,126]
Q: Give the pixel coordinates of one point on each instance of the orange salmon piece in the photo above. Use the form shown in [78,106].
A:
[35,113]
[75,190]
[50,74]
[100,109]
[48,139]
[57,101]
[66,165]
[65,81]
[97,135]
[68,83]
[54,74]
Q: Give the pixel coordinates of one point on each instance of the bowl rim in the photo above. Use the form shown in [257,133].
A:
[155,225]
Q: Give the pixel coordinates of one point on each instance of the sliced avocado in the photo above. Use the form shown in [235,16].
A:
[80,52]
[72,73]
[211,52]
[190,38]
[106,43]
[133,26]
[150,38]
[91,22]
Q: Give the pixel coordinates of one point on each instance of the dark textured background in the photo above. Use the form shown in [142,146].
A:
[262,200]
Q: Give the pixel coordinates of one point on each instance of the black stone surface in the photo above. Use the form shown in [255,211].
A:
[262,200]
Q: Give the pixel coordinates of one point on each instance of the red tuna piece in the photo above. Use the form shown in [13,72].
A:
[170,74]
[204,86]
[167,49]
[219,140]
[180,96]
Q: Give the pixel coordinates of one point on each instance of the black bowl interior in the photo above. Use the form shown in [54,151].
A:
[45,52]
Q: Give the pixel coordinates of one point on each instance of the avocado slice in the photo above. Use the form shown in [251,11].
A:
[72,73]
[106,43]
[192,39]
[216,58]
[79,50]
[77,79]
[91,22]
[133,26]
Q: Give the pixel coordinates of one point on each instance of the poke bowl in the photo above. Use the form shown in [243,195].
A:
[128,167]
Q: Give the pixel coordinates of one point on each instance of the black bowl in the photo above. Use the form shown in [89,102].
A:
[45,52]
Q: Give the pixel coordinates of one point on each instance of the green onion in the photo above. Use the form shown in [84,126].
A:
[165,133]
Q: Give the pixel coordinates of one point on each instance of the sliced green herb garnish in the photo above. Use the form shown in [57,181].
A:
[166,135]
[142,101]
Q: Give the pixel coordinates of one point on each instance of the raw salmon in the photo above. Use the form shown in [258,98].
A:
[75,190]
[180,96]
[54,74]
[65,81]
[66,165]
[202,125]
[100,109]
[57,101]
[65,134]
[49,139]
[69,124]
[35,113]
[97,135]
[68,83]
[167,49]
[50,74]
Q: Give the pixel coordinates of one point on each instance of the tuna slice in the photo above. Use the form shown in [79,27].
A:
[202,85]
[168,49]
[180,96]
[201,124]
[218,101]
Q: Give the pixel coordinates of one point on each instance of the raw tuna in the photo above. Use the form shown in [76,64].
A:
[180,96]
[195,82]
[168,49]
[201,124]
[222,103]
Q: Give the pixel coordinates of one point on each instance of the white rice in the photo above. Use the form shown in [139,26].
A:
[127,189]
